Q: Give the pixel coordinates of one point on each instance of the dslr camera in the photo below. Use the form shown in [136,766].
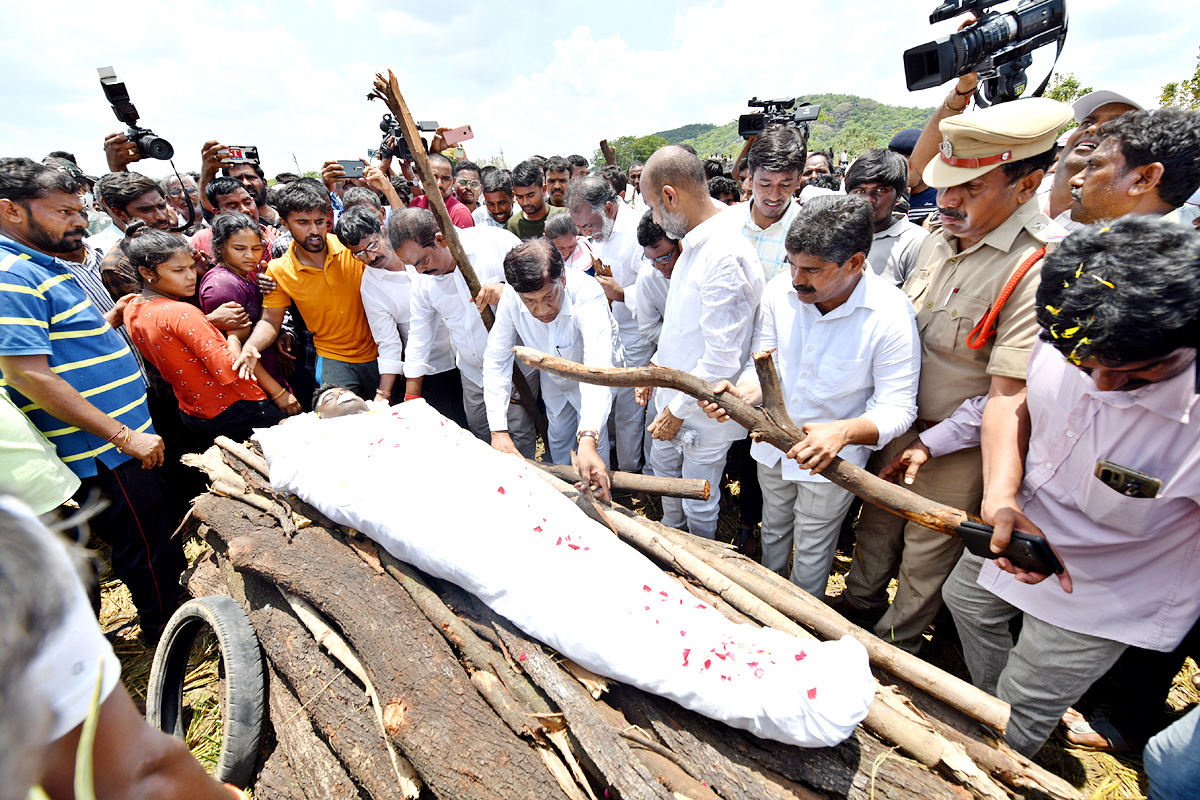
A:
[149,144]
[394,143]
[999,46]
[777,112]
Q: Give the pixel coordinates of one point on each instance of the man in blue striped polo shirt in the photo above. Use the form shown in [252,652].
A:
[77,381]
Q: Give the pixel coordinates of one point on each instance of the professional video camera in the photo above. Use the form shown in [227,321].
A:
[148,144]
[997,46]
[776,112]
[394,143]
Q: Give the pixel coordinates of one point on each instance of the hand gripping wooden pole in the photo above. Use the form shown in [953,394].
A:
[387,90]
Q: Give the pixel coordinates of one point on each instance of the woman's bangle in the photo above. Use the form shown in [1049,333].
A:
[385,394]
[408,397]
[282,391]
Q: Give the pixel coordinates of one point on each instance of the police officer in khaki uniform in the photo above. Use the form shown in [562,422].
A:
[987,171]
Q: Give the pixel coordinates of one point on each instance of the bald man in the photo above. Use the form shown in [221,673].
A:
[715,288]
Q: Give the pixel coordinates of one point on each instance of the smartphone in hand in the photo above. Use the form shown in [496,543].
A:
[457,135]
[352,167]
[1024,551]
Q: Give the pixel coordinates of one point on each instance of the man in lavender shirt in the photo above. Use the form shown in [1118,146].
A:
[1111,424]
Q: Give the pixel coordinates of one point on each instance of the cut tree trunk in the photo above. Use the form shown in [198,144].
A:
[685,488]
[431,710]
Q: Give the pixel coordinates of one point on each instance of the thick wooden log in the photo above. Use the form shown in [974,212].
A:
[632,482]
[732,761]
[388,90]
[277,780]
[457,744]
[769,424]
[320,774]
[609,752]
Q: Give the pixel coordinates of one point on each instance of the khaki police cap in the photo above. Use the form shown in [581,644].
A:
[974,144]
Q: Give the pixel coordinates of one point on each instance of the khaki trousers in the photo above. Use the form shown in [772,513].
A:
[889,546]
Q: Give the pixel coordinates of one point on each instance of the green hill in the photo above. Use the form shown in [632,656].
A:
[847,122]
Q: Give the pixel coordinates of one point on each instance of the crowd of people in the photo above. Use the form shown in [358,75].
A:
[998,315]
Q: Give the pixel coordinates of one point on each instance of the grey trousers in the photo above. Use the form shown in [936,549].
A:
[1041,676]
[805,516]
[520,424]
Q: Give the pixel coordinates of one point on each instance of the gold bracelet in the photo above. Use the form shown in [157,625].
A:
[382,392]
[115,435]
[282,391]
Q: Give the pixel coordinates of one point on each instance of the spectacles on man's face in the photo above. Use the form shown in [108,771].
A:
[663,259]
[369,252]
[466,183]
[179,192]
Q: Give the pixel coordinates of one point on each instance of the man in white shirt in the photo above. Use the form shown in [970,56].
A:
[563,313]
[598,212]
[715,288]
[881,177]
[497,204]
[654,278]
[440,295]
[386,296]
[846,348]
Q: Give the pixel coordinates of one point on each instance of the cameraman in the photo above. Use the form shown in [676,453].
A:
[987,171]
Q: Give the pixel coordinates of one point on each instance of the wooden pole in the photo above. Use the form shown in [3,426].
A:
[632,482]
[770,424]
[388,90]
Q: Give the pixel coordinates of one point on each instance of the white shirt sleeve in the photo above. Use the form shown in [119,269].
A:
[422,325]
[765,338]
[895,369]
[596,328]
[727,308]
[649,314]
[385,329]
[498,360]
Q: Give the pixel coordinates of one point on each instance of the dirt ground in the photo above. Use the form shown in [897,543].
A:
[1100,775]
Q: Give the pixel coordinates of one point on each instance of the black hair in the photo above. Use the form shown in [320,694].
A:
[882,166]
[530,264]
[826,154]
[466,166]
[1170,136]
[273,194]
[593,190]
[64,155]
[615,176]
[720,185]
[487,169]
[1016,170]
[354,224]
[560,224]
[826,181]
[219,187]
[558,164]
[1122,293]
[528,173]
[403,188]
[149,247]
[441,159]
[649,232]
[713,168]
[577,160]
[226,225]
[412,224]
[22,180]
[118,189]
[360,196]
[541,162]
[300,196]
[690,149]
[286,177]
[833,228]
[498,181]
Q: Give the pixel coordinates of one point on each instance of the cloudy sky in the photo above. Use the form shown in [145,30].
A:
[530,77]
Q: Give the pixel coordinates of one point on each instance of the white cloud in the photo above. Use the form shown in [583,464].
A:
[554,77]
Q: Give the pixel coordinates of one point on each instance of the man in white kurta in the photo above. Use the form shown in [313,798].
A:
[563,313]
[846,348]
[709,319]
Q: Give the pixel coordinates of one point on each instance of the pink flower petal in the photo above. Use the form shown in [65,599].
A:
[537,529]
[812,693]
[500,490]
[573,546]
[645,588]
[800,656]
[683,633]
[521,657]
[664,594]
[707,663]
[686,653]
[758,673]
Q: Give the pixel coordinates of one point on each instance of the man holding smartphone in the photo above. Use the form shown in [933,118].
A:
[1109,480]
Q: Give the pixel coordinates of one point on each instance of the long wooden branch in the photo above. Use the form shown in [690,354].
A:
[688,489]
[388,90]
[770,424]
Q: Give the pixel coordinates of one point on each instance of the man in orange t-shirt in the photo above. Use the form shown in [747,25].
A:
[323,279]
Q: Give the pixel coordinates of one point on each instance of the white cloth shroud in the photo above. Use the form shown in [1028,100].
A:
[436,497]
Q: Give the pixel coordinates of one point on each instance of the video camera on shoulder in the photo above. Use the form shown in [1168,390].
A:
[394,143]
[999,46]
[148,143]
[777,112]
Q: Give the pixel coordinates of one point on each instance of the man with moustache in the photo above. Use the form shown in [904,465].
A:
[468,185]
[1091,111]
[558,177]
[251,176]
[324,280]
[987,169]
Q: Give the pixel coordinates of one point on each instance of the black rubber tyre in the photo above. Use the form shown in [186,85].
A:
[242,704]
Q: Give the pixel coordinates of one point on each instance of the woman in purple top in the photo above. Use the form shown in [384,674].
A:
[238,245]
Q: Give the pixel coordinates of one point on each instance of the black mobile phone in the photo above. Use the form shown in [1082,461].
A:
[1027,552]
[353,169]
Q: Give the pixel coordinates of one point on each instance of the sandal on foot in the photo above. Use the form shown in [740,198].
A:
[1101,726]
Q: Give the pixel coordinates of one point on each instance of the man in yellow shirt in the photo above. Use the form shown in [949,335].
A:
[323,279]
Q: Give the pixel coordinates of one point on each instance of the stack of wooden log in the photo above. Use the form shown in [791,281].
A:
[385,683]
